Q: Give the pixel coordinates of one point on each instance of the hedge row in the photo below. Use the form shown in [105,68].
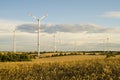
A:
[14,57]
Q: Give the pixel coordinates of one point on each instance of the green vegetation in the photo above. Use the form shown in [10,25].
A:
[12,57]
[107,53]
[27,56]
[110,54]
[108,69]
[64,54]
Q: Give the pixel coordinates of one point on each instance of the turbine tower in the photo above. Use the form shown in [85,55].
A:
[107,41]
[14,40]
[55,43]
[38,34]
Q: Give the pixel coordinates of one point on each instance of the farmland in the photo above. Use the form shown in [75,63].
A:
[75,67]
[70,58]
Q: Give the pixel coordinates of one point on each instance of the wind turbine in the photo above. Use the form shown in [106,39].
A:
[54,36]
[38,36]
[59,43]
[14,40]
[75,45]
[107,42]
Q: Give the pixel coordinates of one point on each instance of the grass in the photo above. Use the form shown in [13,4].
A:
[78,67]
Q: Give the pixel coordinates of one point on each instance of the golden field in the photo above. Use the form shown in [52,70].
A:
[76,67]
[70,58]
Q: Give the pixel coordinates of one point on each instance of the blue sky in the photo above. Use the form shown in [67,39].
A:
[85,22]
[61,11]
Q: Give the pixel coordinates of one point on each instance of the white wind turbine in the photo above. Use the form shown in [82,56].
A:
[107,44]
[14,40]
[38,36]
[54,36]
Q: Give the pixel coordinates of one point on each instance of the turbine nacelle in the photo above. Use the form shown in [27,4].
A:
[43,17]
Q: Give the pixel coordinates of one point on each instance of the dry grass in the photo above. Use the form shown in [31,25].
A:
[78,67]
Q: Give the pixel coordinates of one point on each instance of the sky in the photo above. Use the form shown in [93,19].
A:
[77,24]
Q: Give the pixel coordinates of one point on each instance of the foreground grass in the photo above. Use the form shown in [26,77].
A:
[93,69]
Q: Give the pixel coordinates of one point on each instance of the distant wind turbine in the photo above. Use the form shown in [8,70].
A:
[54,43]
[14,40]
[107,41]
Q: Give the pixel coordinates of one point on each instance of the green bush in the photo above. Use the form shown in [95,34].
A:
[14,57]
[110,54]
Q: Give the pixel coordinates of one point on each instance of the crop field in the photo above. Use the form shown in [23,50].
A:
[78,67]
[69,58]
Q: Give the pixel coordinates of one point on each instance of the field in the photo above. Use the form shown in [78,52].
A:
[76,67]
[70,58]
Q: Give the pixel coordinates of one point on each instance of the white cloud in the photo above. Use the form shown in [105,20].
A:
[68,36]
[72,28]
[10,25]
[113,14]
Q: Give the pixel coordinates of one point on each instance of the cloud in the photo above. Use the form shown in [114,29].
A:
[31,28]
[113,14]
[71,28]
[9,25]
[68,36]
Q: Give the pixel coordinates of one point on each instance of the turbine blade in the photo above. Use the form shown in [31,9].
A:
[32,16]
[43,17]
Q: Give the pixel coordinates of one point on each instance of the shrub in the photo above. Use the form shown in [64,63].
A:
[14,57]
[110,54]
